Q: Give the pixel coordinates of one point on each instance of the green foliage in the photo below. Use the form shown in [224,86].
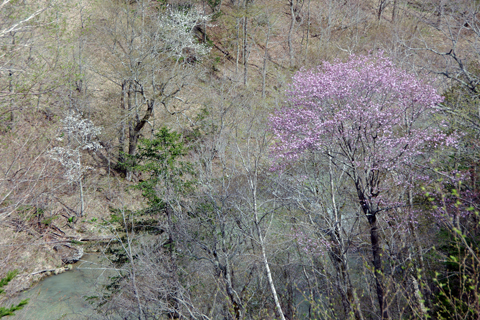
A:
[457,285]
[138,221]
[49,220]
[3,282]
[213,3]
[166,175]
[4,311]
[160,158]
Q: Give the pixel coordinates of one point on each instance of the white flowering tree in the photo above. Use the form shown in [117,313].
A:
[79,135]
[151,55]
[176,29]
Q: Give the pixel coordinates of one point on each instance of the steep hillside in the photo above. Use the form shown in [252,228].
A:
[146,126]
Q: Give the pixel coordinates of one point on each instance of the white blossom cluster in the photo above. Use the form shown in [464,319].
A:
[177,31]
[70,159]
[81,134]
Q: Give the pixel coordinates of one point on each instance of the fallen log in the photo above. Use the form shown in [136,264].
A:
[87,239]
[42,271]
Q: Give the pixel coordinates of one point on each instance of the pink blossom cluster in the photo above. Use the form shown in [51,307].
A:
[309,244]
[364,113]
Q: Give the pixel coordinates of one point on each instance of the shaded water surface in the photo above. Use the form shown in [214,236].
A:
[64,296]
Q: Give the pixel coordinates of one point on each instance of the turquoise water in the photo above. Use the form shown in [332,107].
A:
[64,296]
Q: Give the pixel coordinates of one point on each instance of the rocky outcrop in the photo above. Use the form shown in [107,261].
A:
[68,253]
[74,257]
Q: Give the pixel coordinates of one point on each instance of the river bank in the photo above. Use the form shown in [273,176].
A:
[69,295]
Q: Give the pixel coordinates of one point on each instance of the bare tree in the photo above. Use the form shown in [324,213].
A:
[251,154]
[151,57]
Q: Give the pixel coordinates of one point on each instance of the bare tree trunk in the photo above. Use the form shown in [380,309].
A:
[377,264]
[308,30]
[135,124]
[371,214]
[237,305]
[265,57]
[238,46]
[11,91]
[82,205]
[441,13]
[121,136]
[394,10]
[269,277]
[128,251]
[135,130]
[245,49]
[290,34]
[290,301]
[251,164]
[264,254]
[130,107]
[173,299]
[419,298]
[135,291]
[381,6]
[338,255]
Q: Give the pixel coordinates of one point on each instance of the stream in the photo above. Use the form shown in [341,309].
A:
[63,296]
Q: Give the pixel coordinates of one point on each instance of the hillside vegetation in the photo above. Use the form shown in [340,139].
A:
[246,159]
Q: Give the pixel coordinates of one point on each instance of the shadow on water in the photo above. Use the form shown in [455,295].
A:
[64,296]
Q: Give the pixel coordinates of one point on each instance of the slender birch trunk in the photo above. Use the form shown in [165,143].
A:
[269,273]
[251,164]
[253,185]
[237,59]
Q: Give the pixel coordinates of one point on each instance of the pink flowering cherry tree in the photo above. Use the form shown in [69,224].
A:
[368,118]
